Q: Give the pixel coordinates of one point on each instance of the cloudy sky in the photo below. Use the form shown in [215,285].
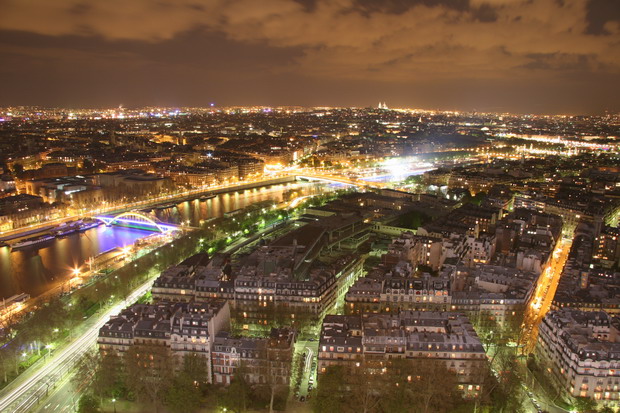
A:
[534,56]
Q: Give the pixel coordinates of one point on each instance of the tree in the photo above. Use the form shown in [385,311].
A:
[419,385]
[297,370]
[274,368]
[6,366]
[189,385]
[87,367]
[487,328]
[88,404]
[8,323]
[236,396]
[183,395]
[398,385]
[478,198]
[367,386]
[512,330]
[504,390]
[195,368]
[330,393]
[413,220]
[18,169]
[585,405]
[110,378]
[433,384]
[103,372]
[149,372]
[87,165]
[39,327]
[13,350]
[414,179]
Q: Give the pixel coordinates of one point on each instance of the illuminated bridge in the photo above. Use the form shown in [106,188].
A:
[341,180]
[138,220]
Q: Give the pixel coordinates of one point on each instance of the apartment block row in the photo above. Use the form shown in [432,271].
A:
[446,337]
[590,280]
[306,269]
[200,329]
[499,292]
[433,252]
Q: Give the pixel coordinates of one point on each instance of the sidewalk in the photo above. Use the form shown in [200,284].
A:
[540,392]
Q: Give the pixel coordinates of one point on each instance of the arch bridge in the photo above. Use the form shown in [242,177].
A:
[137,219]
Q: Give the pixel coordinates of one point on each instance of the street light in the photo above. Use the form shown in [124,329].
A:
[76,272]
[114,403]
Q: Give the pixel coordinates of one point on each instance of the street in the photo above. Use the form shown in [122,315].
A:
[310,348]
[541,299]
[31,387]
[61,399]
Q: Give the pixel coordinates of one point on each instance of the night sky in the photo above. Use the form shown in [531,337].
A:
[528,56]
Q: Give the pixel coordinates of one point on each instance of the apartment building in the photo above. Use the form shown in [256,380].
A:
[184,328]
[499,292]
[351,340]
[582,351]
[263,360]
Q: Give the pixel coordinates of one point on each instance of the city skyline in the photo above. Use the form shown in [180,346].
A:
[304,257]
[544,57]
[377,206]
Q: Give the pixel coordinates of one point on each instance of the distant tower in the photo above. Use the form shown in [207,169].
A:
[112,138]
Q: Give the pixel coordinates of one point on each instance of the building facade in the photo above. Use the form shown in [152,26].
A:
[582,351]
[351,340]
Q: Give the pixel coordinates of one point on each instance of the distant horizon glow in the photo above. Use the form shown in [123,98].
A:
[518,56]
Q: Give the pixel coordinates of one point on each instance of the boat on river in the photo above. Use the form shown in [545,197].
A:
[68,228]
[28,242]
[90,224]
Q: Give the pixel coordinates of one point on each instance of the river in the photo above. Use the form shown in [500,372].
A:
[36,269]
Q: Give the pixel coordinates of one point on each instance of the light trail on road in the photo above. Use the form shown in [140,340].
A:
[35,386]
[308,358]
[540,301]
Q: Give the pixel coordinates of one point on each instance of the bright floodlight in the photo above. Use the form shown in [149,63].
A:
[76,271]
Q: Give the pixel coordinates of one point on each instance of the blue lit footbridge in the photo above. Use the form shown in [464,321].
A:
[138,220]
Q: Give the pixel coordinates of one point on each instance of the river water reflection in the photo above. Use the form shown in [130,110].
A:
[34,270]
